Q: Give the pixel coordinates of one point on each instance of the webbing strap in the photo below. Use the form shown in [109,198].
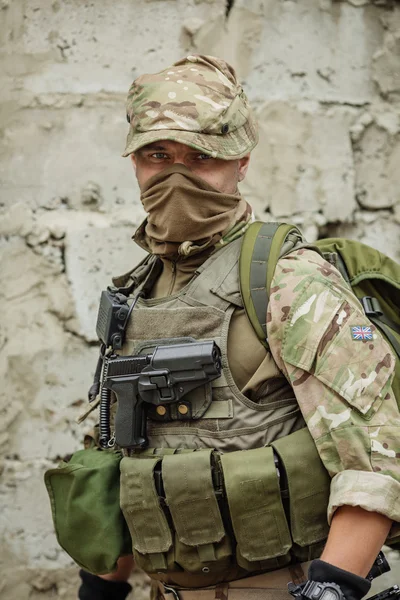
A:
[142,511]
[382,318]
[263,244]
[374,312]
[258,271]
[192,502]
[341,266]
[387,330]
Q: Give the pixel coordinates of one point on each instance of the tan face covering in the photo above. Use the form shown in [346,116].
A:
[185,213]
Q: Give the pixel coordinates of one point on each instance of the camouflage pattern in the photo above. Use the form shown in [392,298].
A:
[343,385]
[198,102]
[238,229]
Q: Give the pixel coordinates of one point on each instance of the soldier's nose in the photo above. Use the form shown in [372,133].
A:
[181,161]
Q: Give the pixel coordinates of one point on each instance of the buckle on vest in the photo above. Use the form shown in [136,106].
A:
[371,306]
[170,590]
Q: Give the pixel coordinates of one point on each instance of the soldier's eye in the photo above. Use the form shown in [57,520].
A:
[159,155]
[203,157]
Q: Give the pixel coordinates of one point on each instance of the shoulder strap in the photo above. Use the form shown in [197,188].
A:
[263,244]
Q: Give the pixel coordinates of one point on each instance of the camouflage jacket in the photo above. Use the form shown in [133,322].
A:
[342,382]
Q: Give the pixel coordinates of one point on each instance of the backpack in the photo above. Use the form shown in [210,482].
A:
[373,277]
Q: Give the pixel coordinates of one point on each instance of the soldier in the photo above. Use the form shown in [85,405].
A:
[234,528]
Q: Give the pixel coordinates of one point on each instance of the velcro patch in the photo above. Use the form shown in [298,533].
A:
[361,332]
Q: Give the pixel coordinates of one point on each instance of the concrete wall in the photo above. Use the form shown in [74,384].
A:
[324,78]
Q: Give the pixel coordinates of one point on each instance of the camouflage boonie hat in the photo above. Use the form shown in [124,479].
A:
[198,102]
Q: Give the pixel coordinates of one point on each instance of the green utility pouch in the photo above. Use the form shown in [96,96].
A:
[184,529]
[84,497]
[200,541]
[257,513]
[308,496]
[140,503]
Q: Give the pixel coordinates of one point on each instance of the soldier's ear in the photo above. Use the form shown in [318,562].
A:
[243,166]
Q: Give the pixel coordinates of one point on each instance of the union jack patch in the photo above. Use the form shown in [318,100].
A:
[361,332]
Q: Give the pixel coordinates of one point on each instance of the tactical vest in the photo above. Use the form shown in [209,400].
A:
[228,486]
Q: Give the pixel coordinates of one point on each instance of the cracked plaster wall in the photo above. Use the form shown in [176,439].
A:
[324,79]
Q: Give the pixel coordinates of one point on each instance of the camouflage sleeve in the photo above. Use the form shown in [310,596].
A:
[341,371]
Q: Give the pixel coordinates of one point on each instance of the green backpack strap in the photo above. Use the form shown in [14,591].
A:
[263,244]
[385,324]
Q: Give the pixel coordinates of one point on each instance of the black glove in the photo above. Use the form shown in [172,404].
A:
[352,586]
[96,588]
